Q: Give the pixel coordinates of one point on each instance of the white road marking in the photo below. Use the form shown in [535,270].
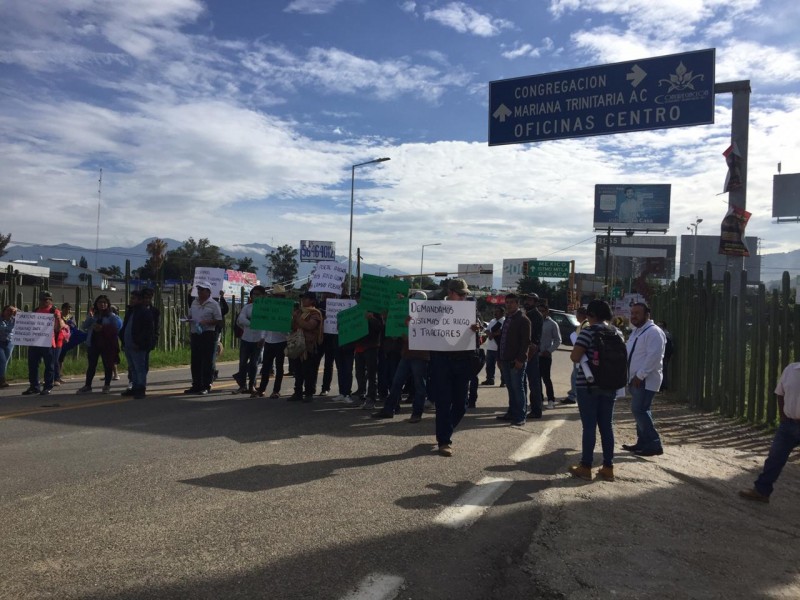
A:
[534,445]
[376,586]
[473,503]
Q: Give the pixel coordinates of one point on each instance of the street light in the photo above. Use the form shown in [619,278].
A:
[693,228]
[422,259]
[352,197]
[381,268]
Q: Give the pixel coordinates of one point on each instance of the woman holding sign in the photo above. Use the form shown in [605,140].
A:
[102,341]
[308,318]
[7,319]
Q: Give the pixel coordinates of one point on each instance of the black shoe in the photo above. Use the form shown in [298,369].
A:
[294,398]
[216,376]
[46,392]
[505,417]
[518,423]
[128,392]
[471,405]
[630,447]
[502,385]
[382,415]
[534,416]
[203,392]
[191,390]
[30,391]
[488,382]
[657,452]
[140,395]
[568,401]
[309,398]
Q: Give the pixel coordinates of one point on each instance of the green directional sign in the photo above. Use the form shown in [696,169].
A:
[616,292]
[555,269]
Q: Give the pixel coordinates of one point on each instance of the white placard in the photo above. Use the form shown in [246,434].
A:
[34,329]
[328,277]
[332,308]
[442,326]
[215,278]
[313,251]
[471,273]
[512,272]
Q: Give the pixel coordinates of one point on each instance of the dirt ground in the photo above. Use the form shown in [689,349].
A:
[670,526]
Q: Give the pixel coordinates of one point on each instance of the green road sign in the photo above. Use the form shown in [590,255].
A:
[555,269]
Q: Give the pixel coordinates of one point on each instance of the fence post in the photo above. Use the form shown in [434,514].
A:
[774,345]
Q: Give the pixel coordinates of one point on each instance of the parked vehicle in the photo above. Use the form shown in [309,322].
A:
[567,324]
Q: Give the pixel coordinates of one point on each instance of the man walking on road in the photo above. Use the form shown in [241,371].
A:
[787,436]
[513,354]
[645,371]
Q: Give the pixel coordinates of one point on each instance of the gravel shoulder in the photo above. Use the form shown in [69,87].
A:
[671,526]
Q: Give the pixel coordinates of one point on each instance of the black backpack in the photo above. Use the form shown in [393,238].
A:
[608,359]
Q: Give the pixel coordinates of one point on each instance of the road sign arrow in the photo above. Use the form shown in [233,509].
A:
[501,113]
[636,75]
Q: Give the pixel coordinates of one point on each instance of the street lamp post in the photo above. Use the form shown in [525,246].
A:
[352,198]
[381,268]
[693,228]
[422,260]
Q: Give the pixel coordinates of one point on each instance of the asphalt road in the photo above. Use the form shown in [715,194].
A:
[230,497]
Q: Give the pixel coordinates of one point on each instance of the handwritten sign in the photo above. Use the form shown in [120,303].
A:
[377,293]
[352,324]
[332,308]
[214,277]
[396,319]
[441,326]
[272,314]
[34,329]
[328,277]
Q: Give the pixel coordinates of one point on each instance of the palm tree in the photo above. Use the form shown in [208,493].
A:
[157,249]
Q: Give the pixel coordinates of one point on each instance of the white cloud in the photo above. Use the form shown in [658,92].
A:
[312,7]
[465,19]
[527,50]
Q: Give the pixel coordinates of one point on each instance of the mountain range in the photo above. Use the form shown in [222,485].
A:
[772,265]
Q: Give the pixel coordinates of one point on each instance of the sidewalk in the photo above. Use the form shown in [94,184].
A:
[671,526]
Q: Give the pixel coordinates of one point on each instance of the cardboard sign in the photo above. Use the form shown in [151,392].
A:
[377,293]
[34,329]
[328,277]
[396,319]
[272,314]
[215,278]
[352,324]
[332,308]
[441,326]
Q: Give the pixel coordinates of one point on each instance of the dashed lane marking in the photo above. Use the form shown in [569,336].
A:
[535,444]
[473,503]
[376,586]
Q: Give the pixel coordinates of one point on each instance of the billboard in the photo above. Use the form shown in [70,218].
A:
[478,275]
[698,250]
[636,256]
[786,196]
[314,251]
[512,271]
[635,207]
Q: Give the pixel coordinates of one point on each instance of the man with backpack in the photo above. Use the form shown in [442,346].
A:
[645,373]
[600,355]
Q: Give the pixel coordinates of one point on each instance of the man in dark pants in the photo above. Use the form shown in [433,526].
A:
[534,378]
[512,355]
[47,355]
[307,318]
[139,335]
[204,317]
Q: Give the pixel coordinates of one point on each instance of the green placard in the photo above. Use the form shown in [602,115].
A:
[554,269]
[396,319]
[272,314]
[377,293]
[352,324]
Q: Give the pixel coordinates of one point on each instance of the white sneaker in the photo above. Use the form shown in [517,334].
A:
[551,405]
[106,389]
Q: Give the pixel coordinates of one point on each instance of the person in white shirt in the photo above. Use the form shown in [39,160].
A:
[493,330]
[250,345]
[787,437]
[204,316]
[645,373]
[274,346]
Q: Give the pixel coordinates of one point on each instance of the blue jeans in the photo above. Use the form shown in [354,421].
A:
[786,439]
[646,435]
[249,353]
[36,355]
[138,366]
[596,408]
[449,384]
[417,367]
[514,379]
[573,381]
[534,384]
[6,348]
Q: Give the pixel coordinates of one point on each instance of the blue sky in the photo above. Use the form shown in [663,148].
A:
[239,121]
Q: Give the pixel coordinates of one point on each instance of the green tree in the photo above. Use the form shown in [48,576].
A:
[157,249]
[181,262]
[4,240]
[83,263]
[114,271]
[282,265]
[247,265]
